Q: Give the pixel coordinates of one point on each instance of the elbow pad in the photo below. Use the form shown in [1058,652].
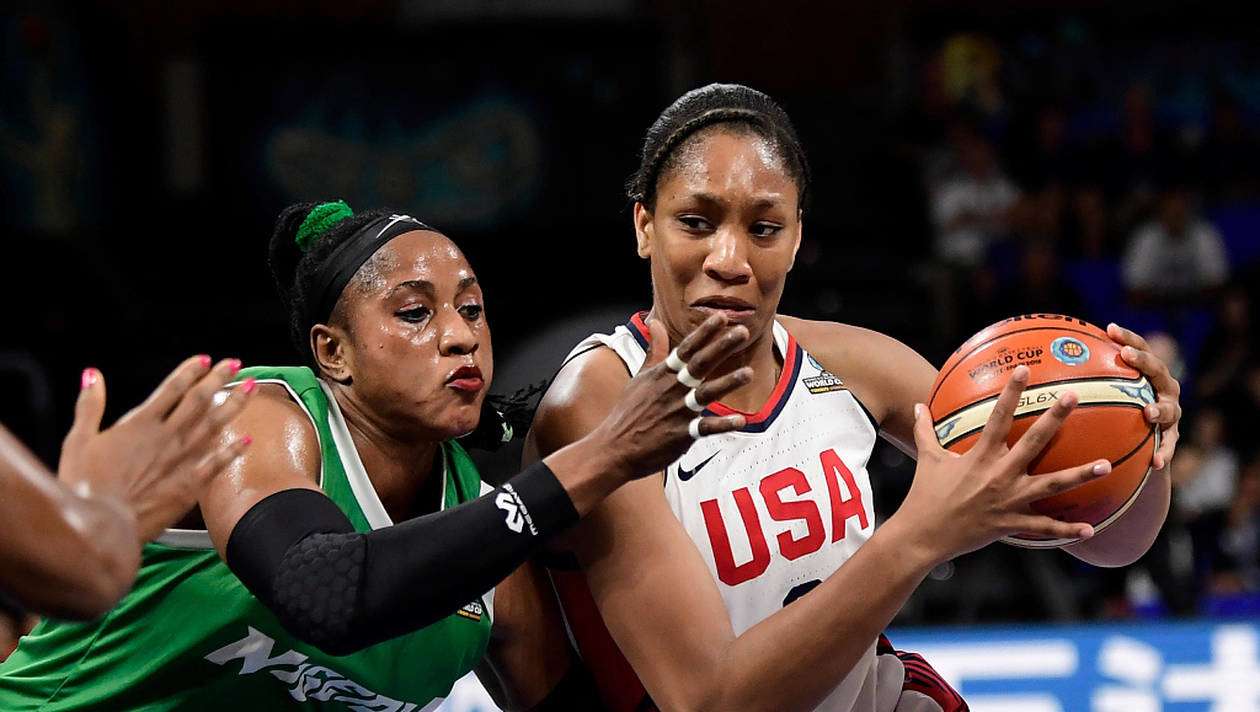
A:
[341,590]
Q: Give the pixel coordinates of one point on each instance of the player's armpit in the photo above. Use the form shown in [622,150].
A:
[885,375]
[529,654]
[655,595]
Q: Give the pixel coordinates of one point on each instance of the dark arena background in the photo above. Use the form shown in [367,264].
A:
[972,161]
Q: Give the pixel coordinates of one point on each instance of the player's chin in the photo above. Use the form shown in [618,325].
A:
[460,419]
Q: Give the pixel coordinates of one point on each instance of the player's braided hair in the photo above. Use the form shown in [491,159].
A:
[729,105]
[293,265]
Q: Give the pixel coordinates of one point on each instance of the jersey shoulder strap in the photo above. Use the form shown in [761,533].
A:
[629,341]
[463,481]
[632,340]
[341,475]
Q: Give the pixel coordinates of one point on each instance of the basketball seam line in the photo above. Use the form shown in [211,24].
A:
[1029,414]
[942,378]
[1065,381]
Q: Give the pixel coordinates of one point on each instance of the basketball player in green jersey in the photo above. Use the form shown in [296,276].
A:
[347,561]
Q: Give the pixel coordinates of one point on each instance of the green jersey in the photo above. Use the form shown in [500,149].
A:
[191,636]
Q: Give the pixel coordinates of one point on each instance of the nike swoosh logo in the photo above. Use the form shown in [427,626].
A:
[685,474]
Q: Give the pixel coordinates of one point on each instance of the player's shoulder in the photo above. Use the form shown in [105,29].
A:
[878,368]
[282,429]
[581,394]
[844,345]
[273,408]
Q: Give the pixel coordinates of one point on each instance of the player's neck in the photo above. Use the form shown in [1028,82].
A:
[766,363]
[402,469]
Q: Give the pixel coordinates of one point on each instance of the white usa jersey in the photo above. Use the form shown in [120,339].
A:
[777,507]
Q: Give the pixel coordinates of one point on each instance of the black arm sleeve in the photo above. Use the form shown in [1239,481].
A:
[342,591]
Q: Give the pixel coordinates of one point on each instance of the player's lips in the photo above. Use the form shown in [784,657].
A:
[734,308]
[466,378]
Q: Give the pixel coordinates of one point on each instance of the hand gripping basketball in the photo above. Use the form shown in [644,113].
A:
[1166,410]
[655,421]
[960,503]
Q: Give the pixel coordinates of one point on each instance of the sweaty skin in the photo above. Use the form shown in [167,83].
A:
[407,356]
[721,237]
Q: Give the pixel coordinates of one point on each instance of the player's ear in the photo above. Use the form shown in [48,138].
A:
[796,245]
[332,355]
[643,230]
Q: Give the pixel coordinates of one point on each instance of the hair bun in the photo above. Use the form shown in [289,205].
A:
[319,220]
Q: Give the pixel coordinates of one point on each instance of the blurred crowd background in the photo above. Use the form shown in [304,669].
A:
[972,161]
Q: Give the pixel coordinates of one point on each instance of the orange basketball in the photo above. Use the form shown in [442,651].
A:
[1062,353]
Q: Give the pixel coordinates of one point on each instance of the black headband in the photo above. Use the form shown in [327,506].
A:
[336,272]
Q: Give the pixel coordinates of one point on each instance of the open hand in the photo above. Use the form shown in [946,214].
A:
[157,457]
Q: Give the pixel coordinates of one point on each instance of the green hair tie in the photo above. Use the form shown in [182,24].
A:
[319,220]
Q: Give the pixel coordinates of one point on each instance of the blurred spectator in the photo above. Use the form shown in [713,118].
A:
[1038,287]
[1229,347]
[1177,257]
[1205,478]
[942,161]
[972,207]
[1135,162]
[1241,405]
[1228,155]
[1090,236]
[1241,540]
[1041,156]
[971,66]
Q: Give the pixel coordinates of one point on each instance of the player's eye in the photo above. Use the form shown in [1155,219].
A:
[472,311]
[763,229]
[695,223]
[414,314]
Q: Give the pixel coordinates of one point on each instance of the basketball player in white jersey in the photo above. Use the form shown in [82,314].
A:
[749,575]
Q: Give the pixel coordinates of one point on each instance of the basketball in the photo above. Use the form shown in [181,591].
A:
[1062,354]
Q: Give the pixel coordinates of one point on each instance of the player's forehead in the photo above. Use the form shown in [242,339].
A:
[728,165]
[422,259]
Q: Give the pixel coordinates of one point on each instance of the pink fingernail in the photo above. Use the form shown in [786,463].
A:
[249,385]
[234,365]
[247,440]
[204,360]
[88,379]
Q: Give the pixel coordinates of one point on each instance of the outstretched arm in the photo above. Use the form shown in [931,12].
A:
[343,590]
[82,556]
[70,547]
